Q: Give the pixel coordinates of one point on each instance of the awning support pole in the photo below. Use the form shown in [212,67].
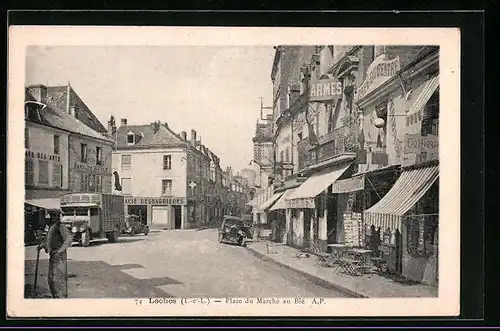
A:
[369,181]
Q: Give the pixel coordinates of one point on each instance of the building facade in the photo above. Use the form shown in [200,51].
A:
[62,155]
[170,182]
[365,122]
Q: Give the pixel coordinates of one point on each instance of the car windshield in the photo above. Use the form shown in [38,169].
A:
[71,211]
[230,223]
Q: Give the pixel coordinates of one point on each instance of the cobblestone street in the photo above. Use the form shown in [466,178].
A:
[178,263]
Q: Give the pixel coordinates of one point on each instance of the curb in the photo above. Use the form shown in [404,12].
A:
[313,278]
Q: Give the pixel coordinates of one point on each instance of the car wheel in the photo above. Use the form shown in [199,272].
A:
[85,238]
[220,237]
[146,231]
[242,242]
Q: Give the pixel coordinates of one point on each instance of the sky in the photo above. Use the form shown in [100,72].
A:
[213,90]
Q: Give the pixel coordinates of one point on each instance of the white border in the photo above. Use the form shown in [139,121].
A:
[449,260]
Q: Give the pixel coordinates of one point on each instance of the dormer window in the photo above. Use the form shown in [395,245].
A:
[130,138]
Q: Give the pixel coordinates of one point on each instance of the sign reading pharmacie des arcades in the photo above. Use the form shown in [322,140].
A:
[165,201]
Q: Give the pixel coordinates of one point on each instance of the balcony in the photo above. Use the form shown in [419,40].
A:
[341,141]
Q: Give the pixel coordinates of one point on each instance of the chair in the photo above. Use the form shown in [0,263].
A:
[322,257]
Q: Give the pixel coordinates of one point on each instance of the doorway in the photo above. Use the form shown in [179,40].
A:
[161,217]
[177,217]
[331,218]
[307,227]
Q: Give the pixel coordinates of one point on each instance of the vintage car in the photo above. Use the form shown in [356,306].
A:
[133,226]
[234,230]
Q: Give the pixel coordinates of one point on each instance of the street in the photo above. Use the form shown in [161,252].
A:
[177,263]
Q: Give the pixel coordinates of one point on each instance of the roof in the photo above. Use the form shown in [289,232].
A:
[61,120]
[147,136]
[57,98]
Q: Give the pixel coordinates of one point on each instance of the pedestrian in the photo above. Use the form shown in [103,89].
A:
[56,244]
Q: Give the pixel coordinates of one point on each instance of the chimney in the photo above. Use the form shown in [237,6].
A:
[39,92]
[123,122]
[184,135]
[156,126]
[111,126]
[193,137]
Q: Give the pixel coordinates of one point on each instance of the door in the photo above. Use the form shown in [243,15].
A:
[178,217]
[161,217]
[331,219]
[307,227]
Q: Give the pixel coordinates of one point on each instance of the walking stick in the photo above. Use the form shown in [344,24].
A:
[36,270]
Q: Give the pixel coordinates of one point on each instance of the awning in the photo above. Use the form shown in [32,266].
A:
[49,204]
[252,202]
[271,201]
[281,203]
[423,97]
[313,186]
[408,189]
[349,185]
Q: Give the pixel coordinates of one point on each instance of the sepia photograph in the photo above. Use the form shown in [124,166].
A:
[230,174]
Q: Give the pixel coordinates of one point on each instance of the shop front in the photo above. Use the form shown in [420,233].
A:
[273,217]
[166,213]
[406,219]
[314,212]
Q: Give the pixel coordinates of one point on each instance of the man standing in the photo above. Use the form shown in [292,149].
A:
[56,244]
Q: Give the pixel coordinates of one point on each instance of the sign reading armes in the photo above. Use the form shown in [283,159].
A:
[325,89]
[155,201]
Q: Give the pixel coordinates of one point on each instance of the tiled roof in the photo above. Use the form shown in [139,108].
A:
[57,98]
[146,137]
[61,120]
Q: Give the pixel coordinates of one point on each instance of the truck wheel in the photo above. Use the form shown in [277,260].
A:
[220,237]
[146,231]
[242,242]
[112,236]
[85,238]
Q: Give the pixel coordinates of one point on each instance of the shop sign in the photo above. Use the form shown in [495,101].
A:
[155,201]
[89,168]
[42,156]
[325,90]
[378,72]
[307,203]
[416,143]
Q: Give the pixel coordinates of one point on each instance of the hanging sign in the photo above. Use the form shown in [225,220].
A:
[325,90]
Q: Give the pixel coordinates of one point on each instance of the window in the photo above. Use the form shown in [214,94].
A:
[26,138]
[57,175]
[300,136]
[98,155]
[91,183]
[126,162]
[166,187]
[282,157]
[98,183]
[56,144]
[287,154]
[83,183]
[43,172]
[94,211]
[126,186]
[130,138]
[83,153]
[29,173]
[167,162]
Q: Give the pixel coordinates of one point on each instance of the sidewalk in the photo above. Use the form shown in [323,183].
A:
[366,286]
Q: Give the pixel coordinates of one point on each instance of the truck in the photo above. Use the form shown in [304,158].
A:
[91,216]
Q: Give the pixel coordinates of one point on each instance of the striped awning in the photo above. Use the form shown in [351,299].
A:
[270,201]
[417,106]
[408,189]
[281,203]
[313,186]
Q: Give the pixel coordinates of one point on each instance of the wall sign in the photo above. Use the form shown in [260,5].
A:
[155,201]
[307,203]
[379,71]
[325,89]
[89,168]
[42,156]
[416,143]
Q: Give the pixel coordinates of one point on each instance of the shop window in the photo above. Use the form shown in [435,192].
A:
[421,231]
[83,153]
[126,162]
[43,172]
[167,162]
[126,185]
[29,173]
[166,187]
[26,138]
[56,144]
[57,175]
[98,155]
